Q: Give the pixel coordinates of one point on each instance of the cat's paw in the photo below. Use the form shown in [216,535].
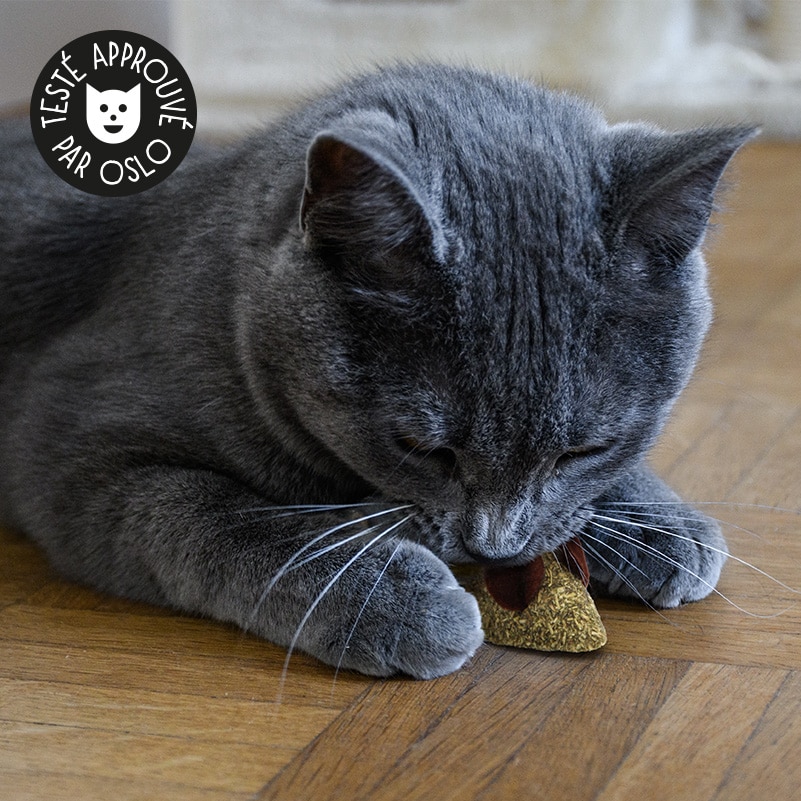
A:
[665,558]
[417,620]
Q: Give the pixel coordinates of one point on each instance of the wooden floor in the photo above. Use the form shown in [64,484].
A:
[103,699]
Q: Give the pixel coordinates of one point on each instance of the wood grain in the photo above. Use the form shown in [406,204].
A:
[101,698]
[514,705]
[689,746]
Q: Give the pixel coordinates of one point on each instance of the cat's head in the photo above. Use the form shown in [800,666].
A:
[113,116]
[494,300]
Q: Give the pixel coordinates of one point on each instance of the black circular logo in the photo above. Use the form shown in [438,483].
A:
[113,113]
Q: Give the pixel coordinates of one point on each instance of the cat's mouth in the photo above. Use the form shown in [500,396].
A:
[113,128]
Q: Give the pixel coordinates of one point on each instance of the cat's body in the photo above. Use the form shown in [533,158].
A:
[468,308]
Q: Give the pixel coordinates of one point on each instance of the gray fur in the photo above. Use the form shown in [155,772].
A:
[430,288]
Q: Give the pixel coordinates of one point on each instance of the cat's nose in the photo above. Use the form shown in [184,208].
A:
[494,534]
[113,116]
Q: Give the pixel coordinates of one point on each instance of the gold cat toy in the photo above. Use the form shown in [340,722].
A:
[543,605]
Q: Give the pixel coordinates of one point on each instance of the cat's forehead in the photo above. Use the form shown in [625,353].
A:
[524,187]
[527,169]
[112,95]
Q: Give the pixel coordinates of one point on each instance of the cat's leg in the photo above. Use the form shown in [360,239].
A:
[643,542]
[201,543]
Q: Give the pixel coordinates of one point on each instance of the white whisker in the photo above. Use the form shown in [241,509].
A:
[303,508]
[333,547]
[619,555]
[407,455]
[310,544]
[363,607]
[733,504]
[657,554]
[669,516]
[705,545]
[322,595]
[621,575]
[655,516]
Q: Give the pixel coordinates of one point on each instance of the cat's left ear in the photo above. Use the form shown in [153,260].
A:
[665,186]
[358,199]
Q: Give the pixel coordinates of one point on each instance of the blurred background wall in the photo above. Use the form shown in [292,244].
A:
[677,62]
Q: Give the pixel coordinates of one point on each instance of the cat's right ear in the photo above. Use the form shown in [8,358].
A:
[357,201]
[668,184]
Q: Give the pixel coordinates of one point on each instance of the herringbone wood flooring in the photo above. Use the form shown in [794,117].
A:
[102,699]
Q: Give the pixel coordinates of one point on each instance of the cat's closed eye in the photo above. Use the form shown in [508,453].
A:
[579,454]
[442,456]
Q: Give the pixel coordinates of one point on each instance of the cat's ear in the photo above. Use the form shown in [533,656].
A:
[666,185]
[357,200]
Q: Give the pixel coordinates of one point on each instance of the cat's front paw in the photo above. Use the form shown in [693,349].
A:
[665,558]
[417,620]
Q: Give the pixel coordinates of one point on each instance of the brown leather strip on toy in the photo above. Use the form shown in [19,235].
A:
[514,588]
[571,555]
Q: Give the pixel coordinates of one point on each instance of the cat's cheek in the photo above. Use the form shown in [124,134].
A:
[439,532]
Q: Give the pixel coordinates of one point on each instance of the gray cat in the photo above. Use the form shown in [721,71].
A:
[434,316]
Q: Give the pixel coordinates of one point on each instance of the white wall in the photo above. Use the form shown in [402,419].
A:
[679,62]
[31,31]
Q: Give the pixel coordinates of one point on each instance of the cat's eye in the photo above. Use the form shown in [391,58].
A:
[104,107]
[442,456]
[578,454]
[410,444]
[123,108]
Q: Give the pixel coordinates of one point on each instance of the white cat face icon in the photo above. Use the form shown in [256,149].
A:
[112,116]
